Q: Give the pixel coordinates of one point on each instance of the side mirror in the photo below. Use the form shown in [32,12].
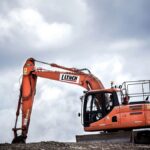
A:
[79,114]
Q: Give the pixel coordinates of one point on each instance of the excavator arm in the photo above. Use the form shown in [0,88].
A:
[28,89]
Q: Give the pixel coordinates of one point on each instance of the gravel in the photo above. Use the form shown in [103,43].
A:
[73,146]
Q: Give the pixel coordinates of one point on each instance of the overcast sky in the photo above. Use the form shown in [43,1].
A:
[111,38]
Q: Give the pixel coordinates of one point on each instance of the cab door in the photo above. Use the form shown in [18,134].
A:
[92,110]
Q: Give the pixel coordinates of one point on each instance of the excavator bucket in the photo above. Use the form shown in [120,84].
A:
[19,139]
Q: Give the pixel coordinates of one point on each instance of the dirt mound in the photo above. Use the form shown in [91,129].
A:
[73,146]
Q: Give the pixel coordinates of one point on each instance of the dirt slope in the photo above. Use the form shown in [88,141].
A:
[73,146]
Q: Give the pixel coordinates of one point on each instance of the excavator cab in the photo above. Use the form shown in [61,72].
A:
[131,103]
[126,108]
[98,104]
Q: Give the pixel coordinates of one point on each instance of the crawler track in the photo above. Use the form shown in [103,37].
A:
[114,137]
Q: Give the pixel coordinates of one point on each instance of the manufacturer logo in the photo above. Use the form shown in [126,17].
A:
[69,78]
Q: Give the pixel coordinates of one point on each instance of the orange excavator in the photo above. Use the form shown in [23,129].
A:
[106,110]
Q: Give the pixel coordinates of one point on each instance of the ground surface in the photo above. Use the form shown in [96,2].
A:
[73,146]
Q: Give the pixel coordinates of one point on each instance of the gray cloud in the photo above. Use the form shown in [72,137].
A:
[120,19]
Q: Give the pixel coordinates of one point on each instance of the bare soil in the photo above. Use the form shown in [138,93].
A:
[74,146]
